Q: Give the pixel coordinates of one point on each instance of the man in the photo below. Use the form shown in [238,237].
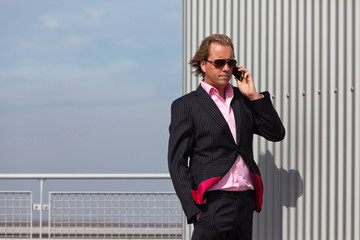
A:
[210,154]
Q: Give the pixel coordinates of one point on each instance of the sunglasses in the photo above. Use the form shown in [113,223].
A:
[220,63]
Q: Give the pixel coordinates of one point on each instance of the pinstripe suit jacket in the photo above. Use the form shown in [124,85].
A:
[201,147]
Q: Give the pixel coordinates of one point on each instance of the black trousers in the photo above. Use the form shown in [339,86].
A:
[226,216]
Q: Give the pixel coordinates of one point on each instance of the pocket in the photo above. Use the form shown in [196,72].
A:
[202,216]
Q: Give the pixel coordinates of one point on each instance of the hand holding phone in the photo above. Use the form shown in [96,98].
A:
[238,74]
[245,83]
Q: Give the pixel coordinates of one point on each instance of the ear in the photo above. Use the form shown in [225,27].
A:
[203,66]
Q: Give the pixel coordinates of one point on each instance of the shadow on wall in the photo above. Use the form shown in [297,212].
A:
[282,188]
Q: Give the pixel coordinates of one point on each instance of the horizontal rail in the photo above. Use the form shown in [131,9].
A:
[71,176]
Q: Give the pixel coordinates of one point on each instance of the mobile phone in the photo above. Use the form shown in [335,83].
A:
[237,74]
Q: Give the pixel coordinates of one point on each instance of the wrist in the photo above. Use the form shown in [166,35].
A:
[255,96]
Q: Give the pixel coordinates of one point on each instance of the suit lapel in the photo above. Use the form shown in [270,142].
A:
[235,105]
[206,102]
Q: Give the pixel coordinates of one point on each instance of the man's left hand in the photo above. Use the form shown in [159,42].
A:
[246,85]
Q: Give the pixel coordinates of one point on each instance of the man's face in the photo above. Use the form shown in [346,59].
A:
[217,77]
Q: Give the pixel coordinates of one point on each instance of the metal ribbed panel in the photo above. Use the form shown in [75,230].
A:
[307,54]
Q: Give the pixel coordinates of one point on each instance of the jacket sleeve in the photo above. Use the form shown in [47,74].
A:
[179,150]
[267,122]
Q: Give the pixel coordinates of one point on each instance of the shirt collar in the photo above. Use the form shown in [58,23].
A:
[229,91]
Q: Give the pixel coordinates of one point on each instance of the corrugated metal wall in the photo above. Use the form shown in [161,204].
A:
[307,54]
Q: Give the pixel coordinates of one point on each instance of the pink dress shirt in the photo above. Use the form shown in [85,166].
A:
[238,177]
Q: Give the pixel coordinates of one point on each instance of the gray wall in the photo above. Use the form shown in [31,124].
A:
[307,54]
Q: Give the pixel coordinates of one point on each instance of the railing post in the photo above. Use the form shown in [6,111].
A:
[41,206]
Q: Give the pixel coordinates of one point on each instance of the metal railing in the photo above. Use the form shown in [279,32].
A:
[15,214]
[91,214]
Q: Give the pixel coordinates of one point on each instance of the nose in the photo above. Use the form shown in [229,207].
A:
[226,67]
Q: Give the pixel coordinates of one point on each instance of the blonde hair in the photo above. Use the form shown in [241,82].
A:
[203,52]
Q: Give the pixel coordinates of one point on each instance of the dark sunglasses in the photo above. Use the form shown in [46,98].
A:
[219,63]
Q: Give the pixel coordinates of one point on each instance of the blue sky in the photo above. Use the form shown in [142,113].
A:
[86,85]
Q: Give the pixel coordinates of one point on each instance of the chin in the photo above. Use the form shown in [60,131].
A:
[224,81]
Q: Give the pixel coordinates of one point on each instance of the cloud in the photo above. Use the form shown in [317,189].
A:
[95,16]
[68,84]
[49,22]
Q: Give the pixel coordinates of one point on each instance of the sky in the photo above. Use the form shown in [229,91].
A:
[86,85]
